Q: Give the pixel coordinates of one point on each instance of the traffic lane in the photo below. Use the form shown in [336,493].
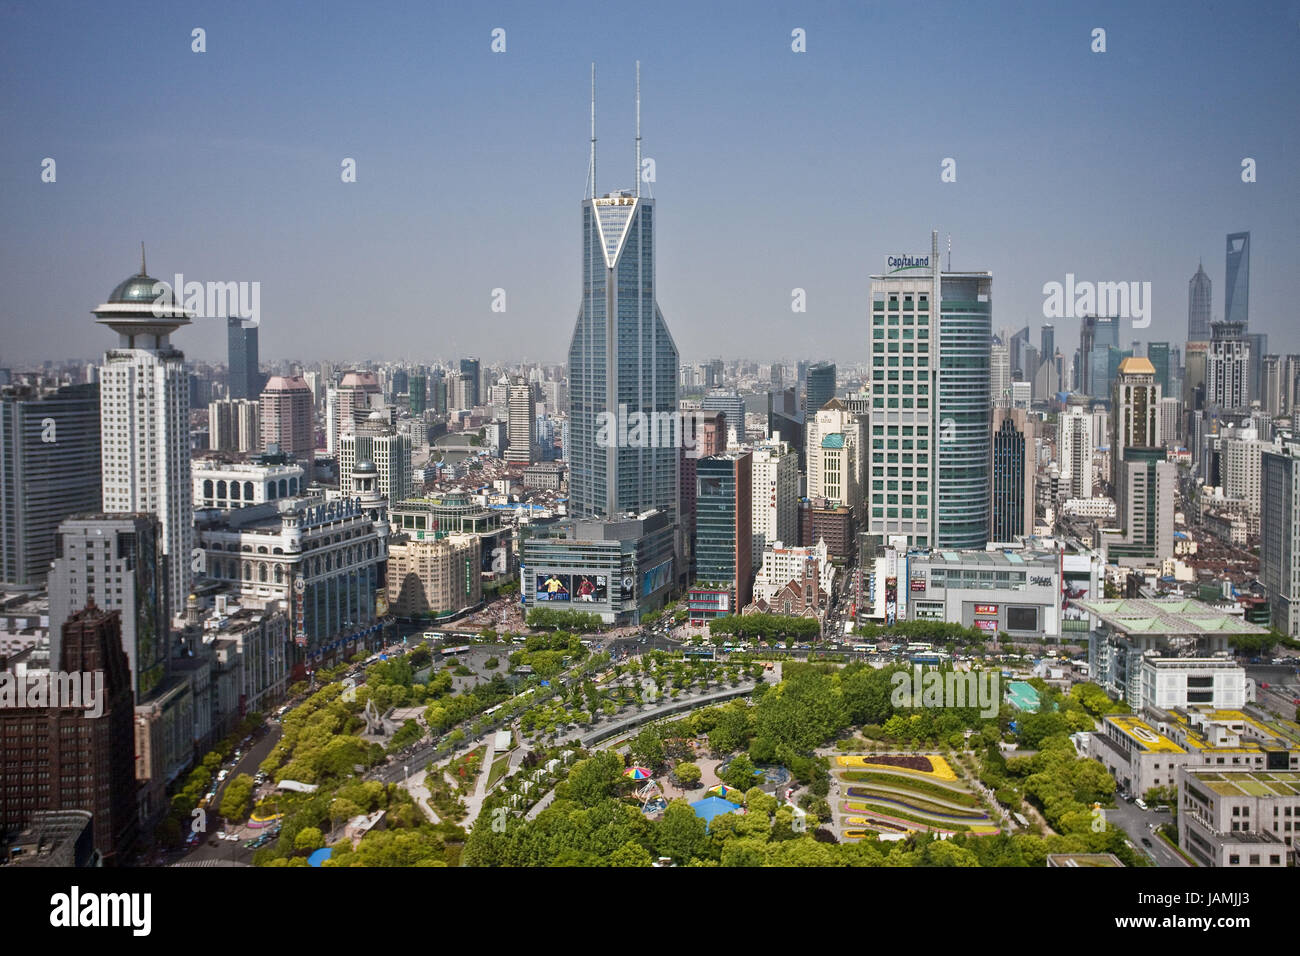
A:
[251,760]
[1138,824]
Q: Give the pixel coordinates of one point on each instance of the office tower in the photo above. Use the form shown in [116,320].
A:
[1046,382]
[288,422]
[437,391]
[1144,499]
[472,374]
[387,450]
[522,417]
[1047,338]
[821,386]
[1158,356]
[417,386]
[964,413]
[144,420]
[776,492]
[77,751]
[1227,368]
[49,469]
[1013,474]
[1240,451]
[1097,336]
[1000,373]
[902,422]
[243,380]
[357,395]
[622,359]
[1135,412]
[1272,395]
[785,418]
[116,562]
[733,407]
[776,375]
[1236,292]
[1016,345]
[723,524]
[705,436]
[1171,422]
[1198,306]
[399,383]
[234,425]
[1257,343]
[835,437]
[1076,446]
[1279,527]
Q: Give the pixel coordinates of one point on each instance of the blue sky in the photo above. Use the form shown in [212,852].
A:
[775,169]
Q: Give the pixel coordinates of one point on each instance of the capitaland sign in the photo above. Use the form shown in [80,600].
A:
[903,263]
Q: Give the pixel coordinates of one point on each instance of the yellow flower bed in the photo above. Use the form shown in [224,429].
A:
[940,769]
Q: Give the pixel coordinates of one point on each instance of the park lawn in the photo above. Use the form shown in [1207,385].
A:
[499,767]
[953,794]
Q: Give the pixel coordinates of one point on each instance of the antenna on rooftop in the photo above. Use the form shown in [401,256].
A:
[638,129]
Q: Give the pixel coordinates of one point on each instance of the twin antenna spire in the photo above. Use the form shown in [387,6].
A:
[591,171]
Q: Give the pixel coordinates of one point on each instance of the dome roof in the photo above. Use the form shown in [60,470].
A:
[365,468]
[138,288]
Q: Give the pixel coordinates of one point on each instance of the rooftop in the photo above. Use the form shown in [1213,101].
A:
[1249,783]
[1166,616]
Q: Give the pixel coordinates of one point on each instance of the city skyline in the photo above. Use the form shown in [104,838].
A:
[745,169]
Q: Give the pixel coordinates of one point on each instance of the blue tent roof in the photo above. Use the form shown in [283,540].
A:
[710,807]
[320,856]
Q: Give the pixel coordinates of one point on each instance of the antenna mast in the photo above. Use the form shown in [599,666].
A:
[638,129]
[950,252]
[593,131]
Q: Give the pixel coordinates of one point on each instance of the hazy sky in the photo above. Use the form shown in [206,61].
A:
[774,169]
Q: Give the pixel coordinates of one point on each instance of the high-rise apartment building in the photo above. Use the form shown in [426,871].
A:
[288,418]
[144,420]
[521,449]
[49,470]
[1076,452]
[234,425]
[776,493]
[388,450]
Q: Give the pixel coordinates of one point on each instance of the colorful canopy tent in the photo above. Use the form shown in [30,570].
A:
[637,773]
[722,790]
[320,856]
[710,807]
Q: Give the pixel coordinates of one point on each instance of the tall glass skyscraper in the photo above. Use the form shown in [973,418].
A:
[243,378]
[622,364]
[821,387]
[1236,295]
[964,410]
[1198,306]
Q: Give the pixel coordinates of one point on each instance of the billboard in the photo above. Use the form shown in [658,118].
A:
[591,588]
[986,625]
[554,587]
[918,584]
[1021,618]
[986,609]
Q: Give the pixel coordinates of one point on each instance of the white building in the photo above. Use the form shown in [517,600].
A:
[520,447]
[220,484]
[775,494]
[144,420]
[390,452]
[234,425]
[1076,451]
[835,436]
[781,565]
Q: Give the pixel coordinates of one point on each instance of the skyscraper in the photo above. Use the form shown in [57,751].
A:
[1158,355]
[288,419]
[622,359]
[471,370]
[1013,474]
[234,425]
[417,389]
[1047,336]
[1198,306]
[243,379]
[776,490]
[1279,539]
[144,419]
[723,524]
[732,406]
[1135,411]
[1236,293]
[1227,367]
[821,387]
[964,411]
[520,424]
[1075,453]
[49,470]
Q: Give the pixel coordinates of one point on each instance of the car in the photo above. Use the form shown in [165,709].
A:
[1140,803]
[1146,841]
[223,774]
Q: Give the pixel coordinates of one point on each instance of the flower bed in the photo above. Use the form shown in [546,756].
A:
[930,765]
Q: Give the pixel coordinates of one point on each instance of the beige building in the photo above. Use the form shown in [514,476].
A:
[435,576]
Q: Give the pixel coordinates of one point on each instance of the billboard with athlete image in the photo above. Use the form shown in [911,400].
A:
[554,587]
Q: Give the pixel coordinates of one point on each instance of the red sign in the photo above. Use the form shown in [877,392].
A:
[918,584]
[986,625]
[986,609]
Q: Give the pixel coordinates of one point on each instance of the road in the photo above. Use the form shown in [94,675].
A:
[230,849]
[1136,823]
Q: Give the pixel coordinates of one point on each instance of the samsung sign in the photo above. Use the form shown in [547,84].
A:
[901,263]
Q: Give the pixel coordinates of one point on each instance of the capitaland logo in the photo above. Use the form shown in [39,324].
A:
[211,300]
[1074,300]
[948,689]
[44,690]
[76,909]
[903,263]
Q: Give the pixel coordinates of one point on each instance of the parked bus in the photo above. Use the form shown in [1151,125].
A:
[450,651]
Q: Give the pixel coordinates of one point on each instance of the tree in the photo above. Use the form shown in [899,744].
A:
[593,780]
[688,775]
[649,747]
[309,839]
[237,798]
[630,853]
[740,773]
[681,834]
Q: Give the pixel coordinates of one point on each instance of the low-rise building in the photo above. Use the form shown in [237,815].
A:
[1238,817]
